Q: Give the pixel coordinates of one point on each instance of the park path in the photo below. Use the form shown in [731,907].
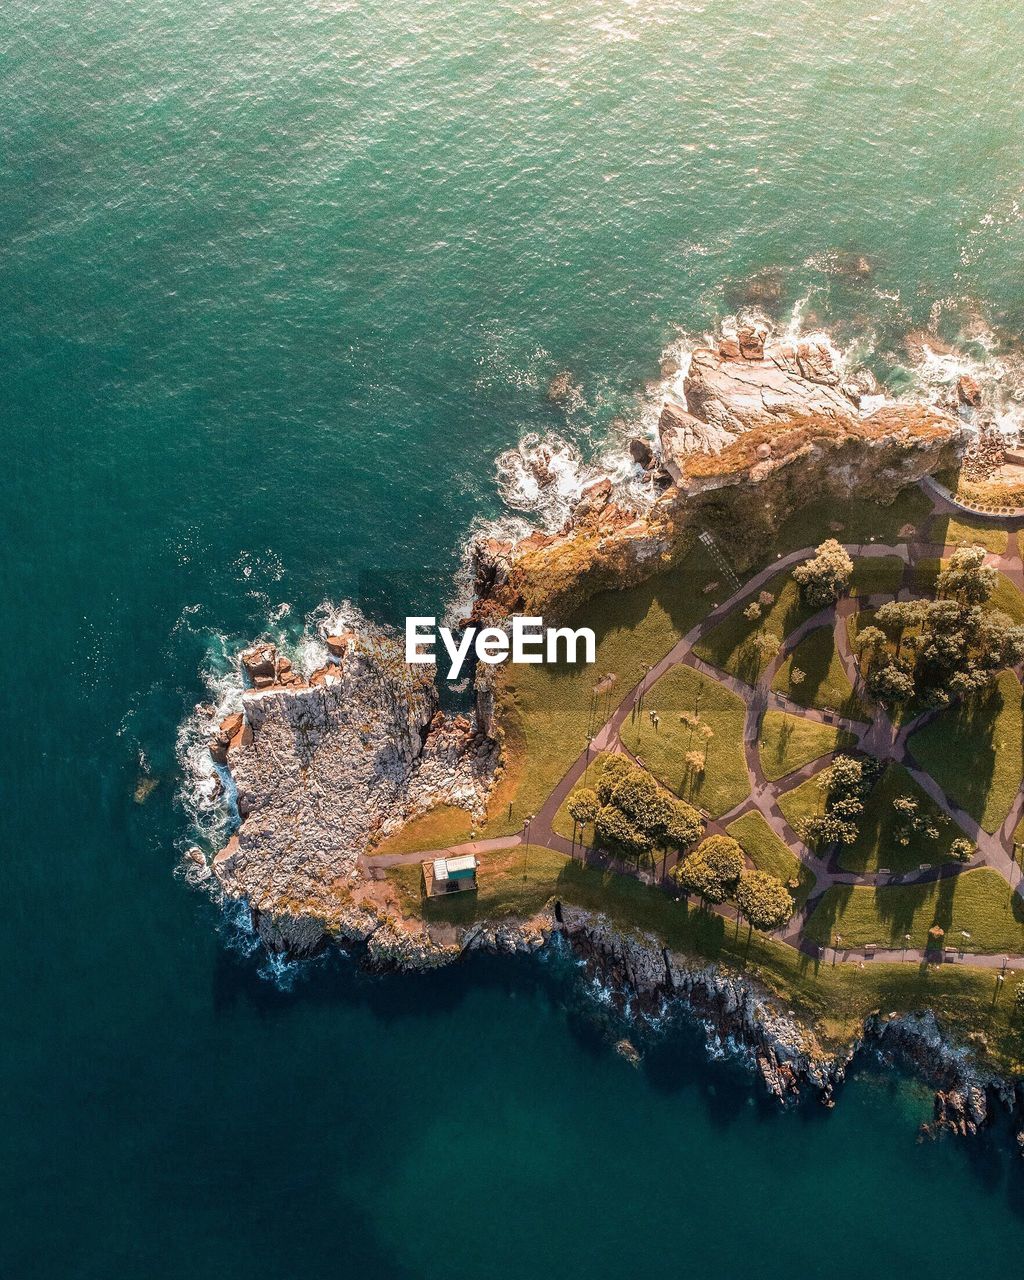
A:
[879,737]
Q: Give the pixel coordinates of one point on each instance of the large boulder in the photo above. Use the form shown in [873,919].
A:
[734,396]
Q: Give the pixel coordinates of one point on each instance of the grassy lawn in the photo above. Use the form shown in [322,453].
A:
[877,845]
[854,520]
[724,782]
[835,1000]
[825,684]
[802,802]
[728,645]
[767,852]
[512,882]
[876,575]
[962,531]
[788,742]
[974,751]
[978,901]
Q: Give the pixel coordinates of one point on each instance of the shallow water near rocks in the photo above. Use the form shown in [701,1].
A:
[279,283]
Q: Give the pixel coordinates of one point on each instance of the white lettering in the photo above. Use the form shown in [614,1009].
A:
[521,637]
[457,652]
[492,645]
[414,638]
[572,640]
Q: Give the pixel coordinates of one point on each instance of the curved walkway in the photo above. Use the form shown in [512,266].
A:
[880,737]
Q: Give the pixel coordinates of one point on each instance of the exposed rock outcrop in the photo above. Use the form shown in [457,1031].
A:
[321,768]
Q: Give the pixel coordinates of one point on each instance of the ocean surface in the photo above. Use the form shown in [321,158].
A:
[278,284]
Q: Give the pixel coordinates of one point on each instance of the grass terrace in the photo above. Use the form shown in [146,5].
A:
[876,576]
[728,646]
[789,742]
[825,685]
[975,751]
[768,853]
[961,531]
[878,843]
[722,782]
[979,902]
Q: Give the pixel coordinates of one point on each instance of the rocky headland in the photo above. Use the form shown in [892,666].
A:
[322,767]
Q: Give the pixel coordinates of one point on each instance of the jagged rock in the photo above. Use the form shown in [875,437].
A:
[736,396]
[337,646]
[751,339]
[232,724]
[641,453]
[219,744]
[260,662]
[968,392]
[297,937]
[681,433]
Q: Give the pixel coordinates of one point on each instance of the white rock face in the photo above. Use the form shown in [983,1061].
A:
[322,768]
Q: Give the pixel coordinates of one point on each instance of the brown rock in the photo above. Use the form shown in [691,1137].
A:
[337,646]
[219,748]
[729,349]
[968,392]
[641,453]
[261,660]
[263,682]
[752,339]
[230,725]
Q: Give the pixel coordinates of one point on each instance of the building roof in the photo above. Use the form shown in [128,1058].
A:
[445,867]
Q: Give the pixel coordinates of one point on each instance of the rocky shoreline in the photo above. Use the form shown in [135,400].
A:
[644,981]
[323,766]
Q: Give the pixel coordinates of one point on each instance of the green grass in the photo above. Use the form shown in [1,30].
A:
[974,751]
[876,575]
[835,1000]
[802,802]
[768,853]
[724,782]
[728,645]
[877,845]
[854,520]
[511,882]
[789,742]
[978,901]
[961,531]
[546,710]
[825,684]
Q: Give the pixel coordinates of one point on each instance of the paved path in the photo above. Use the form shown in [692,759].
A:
[879,737]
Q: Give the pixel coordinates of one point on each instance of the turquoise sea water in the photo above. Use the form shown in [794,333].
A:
[277,283]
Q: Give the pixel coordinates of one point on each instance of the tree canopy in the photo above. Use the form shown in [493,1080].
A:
[635,815]
[824,578]
[712,870]
[764,901]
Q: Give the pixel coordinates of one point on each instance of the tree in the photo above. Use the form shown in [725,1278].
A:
[764,901]
[752,612]
[765,644]
[891,685]
[966,577]
[961,849]
[824,578]
[617,831]
[712,869]
[583,806]
[845,783]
